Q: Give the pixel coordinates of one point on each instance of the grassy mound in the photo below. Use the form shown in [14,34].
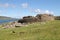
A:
[37,31]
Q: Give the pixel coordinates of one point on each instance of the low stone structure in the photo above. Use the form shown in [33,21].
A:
[38,18]
[13,25]
[30,19]
[45,17]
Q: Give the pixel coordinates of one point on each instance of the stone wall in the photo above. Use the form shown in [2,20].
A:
[45,17]
[38,18]
[28,19]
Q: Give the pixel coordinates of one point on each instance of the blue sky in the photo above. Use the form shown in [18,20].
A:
[20,8]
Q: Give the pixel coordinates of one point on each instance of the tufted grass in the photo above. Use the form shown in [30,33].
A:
[36,31]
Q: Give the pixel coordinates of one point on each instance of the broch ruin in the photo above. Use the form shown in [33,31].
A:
[30,19]
[38,18]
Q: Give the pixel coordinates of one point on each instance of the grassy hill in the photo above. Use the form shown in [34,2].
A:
[37,31]
[3,18]
[6,18]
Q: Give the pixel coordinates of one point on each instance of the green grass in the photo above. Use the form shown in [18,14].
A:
[37,31]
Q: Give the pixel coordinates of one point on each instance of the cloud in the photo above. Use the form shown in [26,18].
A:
[6,5]
[52,12]
[34,10]
[49,12]
[37,10]
[24,5]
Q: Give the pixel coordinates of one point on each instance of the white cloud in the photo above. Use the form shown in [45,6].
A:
[49,12]
[24,5]
[6,5]
[37,10]
[52,12]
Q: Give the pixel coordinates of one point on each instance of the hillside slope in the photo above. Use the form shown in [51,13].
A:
[37,31]
[6,18]
[3,17]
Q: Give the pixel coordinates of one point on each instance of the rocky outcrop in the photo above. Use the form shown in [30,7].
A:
[12,25]
[38,18]
[45,17]
[28,19]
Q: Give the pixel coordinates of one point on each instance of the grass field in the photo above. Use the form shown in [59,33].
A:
[37,31]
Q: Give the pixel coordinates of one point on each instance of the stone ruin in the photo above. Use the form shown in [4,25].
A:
[37,18]
[30,19]
[13,25]
[45,17]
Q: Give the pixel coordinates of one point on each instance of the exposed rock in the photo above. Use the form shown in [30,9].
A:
[28,19]
[45,17]
[38,18]
[13,25]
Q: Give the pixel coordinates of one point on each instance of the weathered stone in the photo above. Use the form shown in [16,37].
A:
[45,17]
[28,19]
